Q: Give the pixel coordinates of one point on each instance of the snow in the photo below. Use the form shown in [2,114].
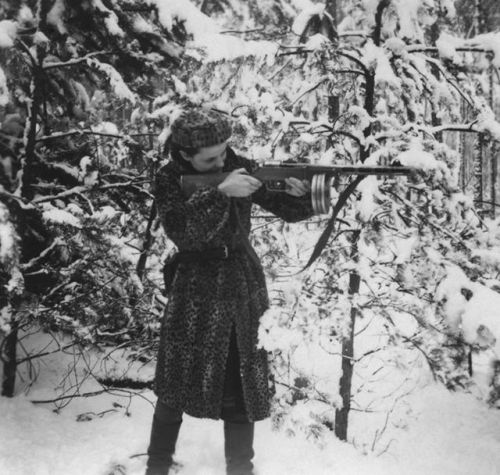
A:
[60,216]
[40,39]
[470,317]
[375,57]
[302,4]
[55,16]
[4,92]
[110,18]
[367,205]
[317,41]
[125,249]
[104,214]
[218,46]
[449,7]
[105,127]
[85,162]
[418,158]
[141,25]
[25,15]
[396,45]
[115,79]
[486,122]
[8,32]
[206,33]
[7,236]
[303,18]
[446,45]
[436,432]
[488,41]
[407,12]
[195,22]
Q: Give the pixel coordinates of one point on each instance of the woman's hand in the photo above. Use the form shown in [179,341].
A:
[296,187]
[239,184]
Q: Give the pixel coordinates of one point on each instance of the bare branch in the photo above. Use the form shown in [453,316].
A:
[311,89]
[355,60]
[39,355]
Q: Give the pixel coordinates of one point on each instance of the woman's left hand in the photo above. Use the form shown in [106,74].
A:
[296,187]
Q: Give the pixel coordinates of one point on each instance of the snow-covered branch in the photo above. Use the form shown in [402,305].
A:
[65,194]
[33,262]
[58,135]
[77,190]
[74,61]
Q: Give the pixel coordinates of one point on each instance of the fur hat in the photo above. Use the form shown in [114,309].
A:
[196,128]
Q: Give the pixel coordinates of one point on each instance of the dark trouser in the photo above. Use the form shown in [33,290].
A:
[164,432]
[238,431]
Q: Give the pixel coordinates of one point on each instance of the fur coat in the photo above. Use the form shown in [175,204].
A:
[208,297]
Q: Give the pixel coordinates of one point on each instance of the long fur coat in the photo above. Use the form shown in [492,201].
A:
[208,298]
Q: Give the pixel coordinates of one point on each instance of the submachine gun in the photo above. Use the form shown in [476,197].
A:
[322,178]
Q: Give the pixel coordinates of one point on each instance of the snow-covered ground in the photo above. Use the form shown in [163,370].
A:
[452,434]
[442,433]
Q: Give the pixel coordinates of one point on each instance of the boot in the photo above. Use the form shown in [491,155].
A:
[238,447]
[162,447]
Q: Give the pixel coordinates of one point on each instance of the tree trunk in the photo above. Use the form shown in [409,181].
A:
[29,176]
[331,8]
[141,263]
[492,146]
[9,357]
[345,385]
[478,171]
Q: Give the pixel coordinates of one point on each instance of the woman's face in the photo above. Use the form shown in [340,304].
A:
[208,159]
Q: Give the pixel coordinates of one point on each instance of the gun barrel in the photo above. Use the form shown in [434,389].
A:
[308,171]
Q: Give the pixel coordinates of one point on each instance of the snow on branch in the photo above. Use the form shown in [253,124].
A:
[209,43]
[33,262]
[54,16]
[195,22]
[448,46]
[8,32]
[76,190]
[115,79]
[8,238]
[74,61]
[110,19]
[58,135]
[470,307]
[216,47]
[4,92]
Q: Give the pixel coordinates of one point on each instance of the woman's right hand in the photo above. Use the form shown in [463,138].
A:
[239,184]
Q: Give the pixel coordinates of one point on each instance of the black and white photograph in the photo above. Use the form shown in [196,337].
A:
[250,237]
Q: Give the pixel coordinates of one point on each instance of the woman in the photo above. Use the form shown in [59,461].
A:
[208,364]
